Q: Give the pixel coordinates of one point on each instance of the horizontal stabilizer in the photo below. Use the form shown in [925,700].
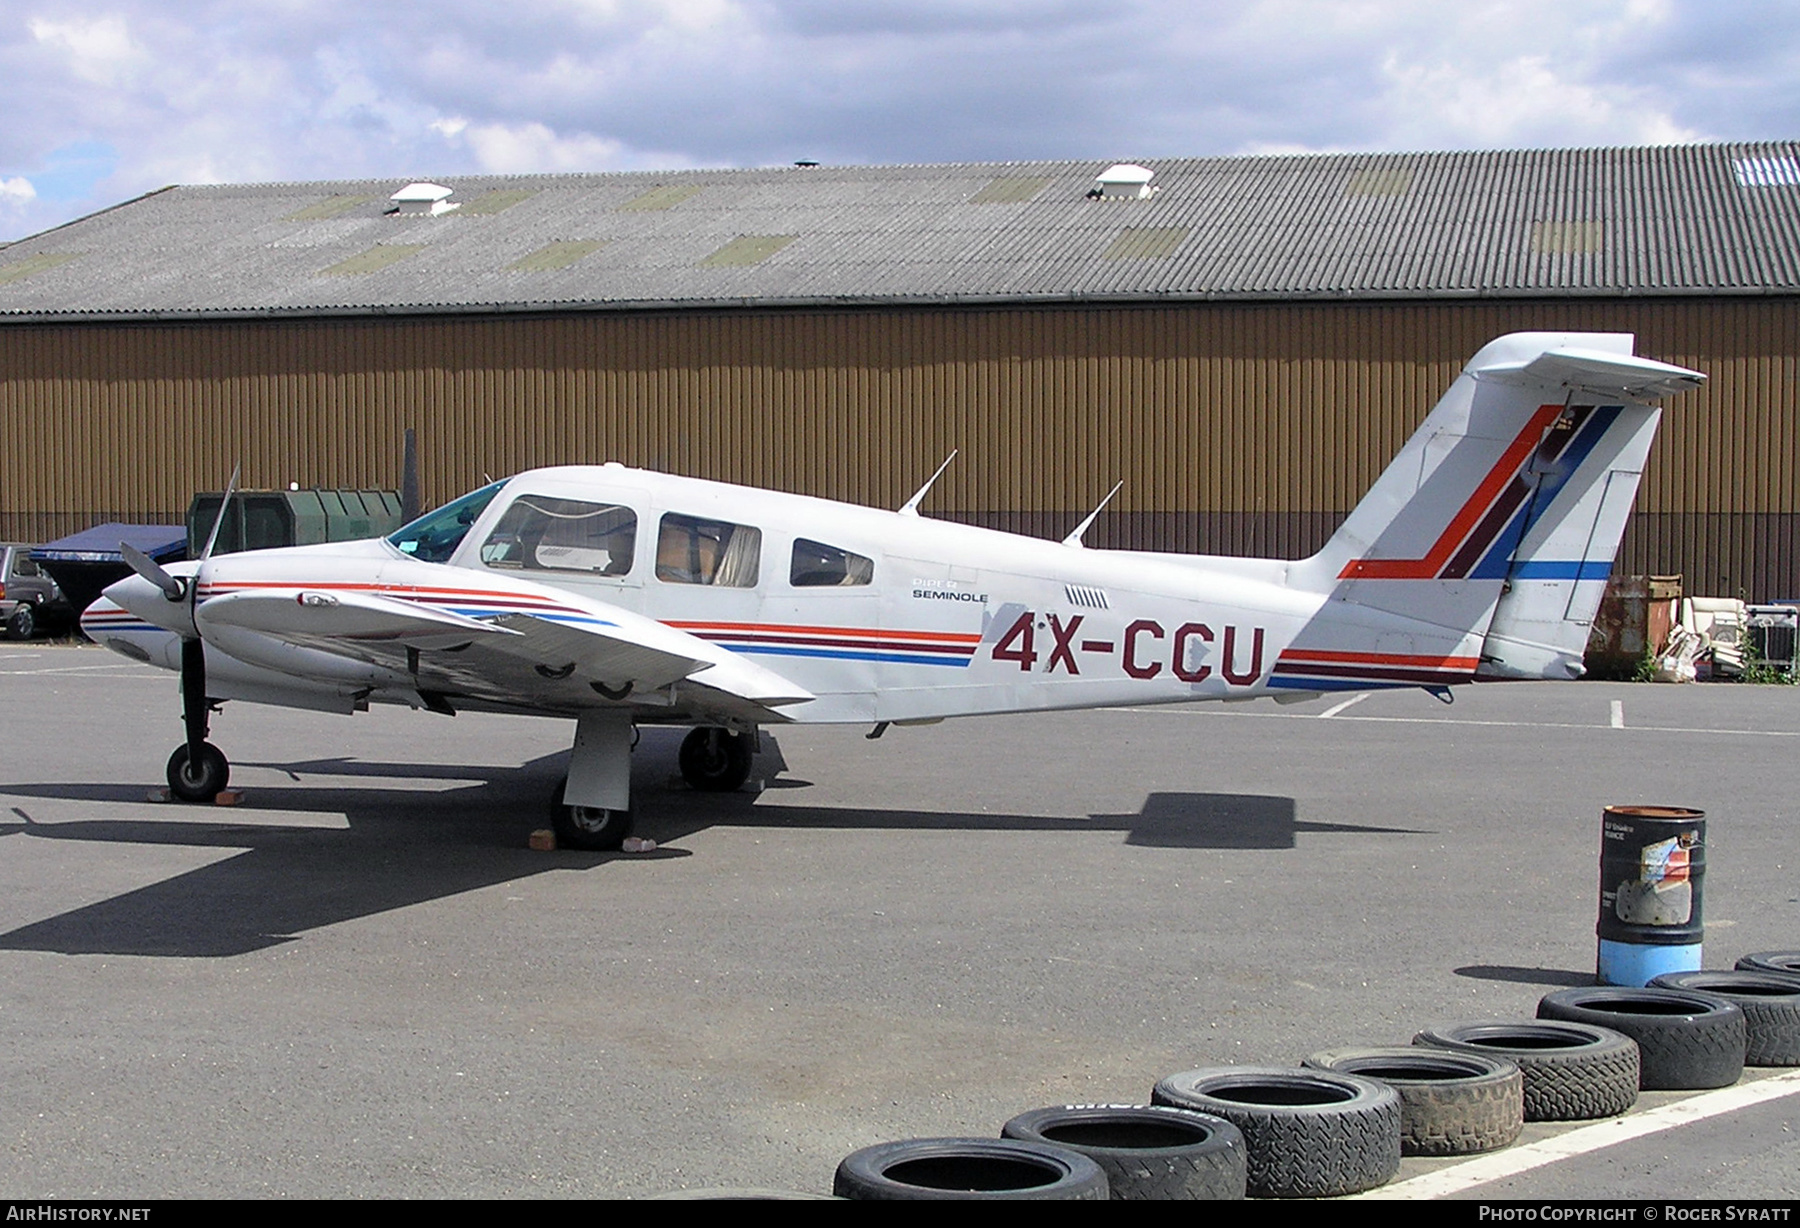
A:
[1604,374]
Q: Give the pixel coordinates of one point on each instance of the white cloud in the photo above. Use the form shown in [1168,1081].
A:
[513,148]
[100,51]
[303,89]
[1524,101]
[16,191]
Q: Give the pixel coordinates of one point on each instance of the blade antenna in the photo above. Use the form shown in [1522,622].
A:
[219,520]
[1074,539]
[911,506]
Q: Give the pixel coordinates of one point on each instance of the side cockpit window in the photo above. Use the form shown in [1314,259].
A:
[817,565]
[434,537]
[539,533]
[693,550]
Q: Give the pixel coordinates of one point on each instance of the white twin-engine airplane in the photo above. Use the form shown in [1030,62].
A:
[618,597]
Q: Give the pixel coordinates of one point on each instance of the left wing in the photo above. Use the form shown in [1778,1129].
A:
[540,649]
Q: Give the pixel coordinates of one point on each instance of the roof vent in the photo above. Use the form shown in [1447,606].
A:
[1123,181]
[423,198]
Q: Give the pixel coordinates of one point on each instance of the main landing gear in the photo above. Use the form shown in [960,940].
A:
[591,808]
[198,770]
[716,760]
[596,828]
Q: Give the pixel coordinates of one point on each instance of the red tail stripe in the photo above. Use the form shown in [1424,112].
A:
[1416,660]
[1460,524]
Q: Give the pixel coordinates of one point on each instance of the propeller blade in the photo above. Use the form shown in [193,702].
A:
[147,567]
[219,520]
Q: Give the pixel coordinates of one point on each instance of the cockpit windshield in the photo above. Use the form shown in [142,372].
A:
[434,537]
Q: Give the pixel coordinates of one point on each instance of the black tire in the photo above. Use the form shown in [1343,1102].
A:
[1771,1006]
[1451,1104]
[938,1169]
[1307,1133]
[1686,1040]
[1783,963]
[588,827]
[1150,1153]
[22,625]
[1572,1071]
[715,760]
[201,779]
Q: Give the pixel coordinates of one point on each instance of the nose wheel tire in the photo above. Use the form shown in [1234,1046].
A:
[715,760]
[198,778]
[593,828]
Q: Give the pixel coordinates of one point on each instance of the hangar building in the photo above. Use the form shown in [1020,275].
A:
[1244,342]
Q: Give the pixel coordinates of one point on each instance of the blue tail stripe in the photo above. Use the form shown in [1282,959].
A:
[1496,564]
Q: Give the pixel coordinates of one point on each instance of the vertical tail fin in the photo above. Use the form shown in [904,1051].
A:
[1483,549]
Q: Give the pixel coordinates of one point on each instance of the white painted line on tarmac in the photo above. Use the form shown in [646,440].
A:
[1351,702]
[1221,710]
[119,669]
[1618,714]
[1516,1160]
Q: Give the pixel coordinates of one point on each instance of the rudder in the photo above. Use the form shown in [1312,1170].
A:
[1483,549]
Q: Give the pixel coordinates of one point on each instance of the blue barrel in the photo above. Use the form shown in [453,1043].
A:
[1652,869]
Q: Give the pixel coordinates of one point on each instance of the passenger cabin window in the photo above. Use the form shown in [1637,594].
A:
[538,533]
[816,565]
[690,550]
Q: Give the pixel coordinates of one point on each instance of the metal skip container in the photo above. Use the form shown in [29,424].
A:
[1652,870]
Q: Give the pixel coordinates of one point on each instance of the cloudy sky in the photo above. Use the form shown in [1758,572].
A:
[101,100]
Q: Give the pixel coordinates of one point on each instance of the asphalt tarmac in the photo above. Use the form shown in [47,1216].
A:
[361,981]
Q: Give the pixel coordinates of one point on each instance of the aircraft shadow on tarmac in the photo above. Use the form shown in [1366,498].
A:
[403,846]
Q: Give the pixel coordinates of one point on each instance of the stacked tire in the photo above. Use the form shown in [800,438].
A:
[1770,1002]
[1570,1071]
[1451,1104]
[1307,1133]
[1150,1153]
[959,1169]
[1686,1040]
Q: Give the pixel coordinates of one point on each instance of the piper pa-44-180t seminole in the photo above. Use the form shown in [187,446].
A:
[618,597]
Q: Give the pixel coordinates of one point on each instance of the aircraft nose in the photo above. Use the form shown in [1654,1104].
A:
[146,600]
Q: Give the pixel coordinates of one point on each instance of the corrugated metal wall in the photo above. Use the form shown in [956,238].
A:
[1236,428]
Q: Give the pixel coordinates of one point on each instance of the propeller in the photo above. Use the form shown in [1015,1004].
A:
[148,568]
[219,520]
[197,771]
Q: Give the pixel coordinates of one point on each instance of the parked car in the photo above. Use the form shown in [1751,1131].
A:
[29,600]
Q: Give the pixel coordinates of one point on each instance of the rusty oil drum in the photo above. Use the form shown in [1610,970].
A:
[1652,871]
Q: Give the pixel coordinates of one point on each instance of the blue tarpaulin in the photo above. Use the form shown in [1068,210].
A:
[84,563]
[163,542]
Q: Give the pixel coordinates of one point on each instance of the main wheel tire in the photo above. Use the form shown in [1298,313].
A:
[1784,963]
[1572,1071]
[23,623]
[1307,1133]
[937,1169]
[591,828]
[715,760]
[1451,1103]
[1686,1040]
[198,779]
[1150,1153]
[1771,1005]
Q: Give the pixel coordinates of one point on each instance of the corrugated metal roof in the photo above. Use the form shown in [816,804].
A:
[1697,219]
